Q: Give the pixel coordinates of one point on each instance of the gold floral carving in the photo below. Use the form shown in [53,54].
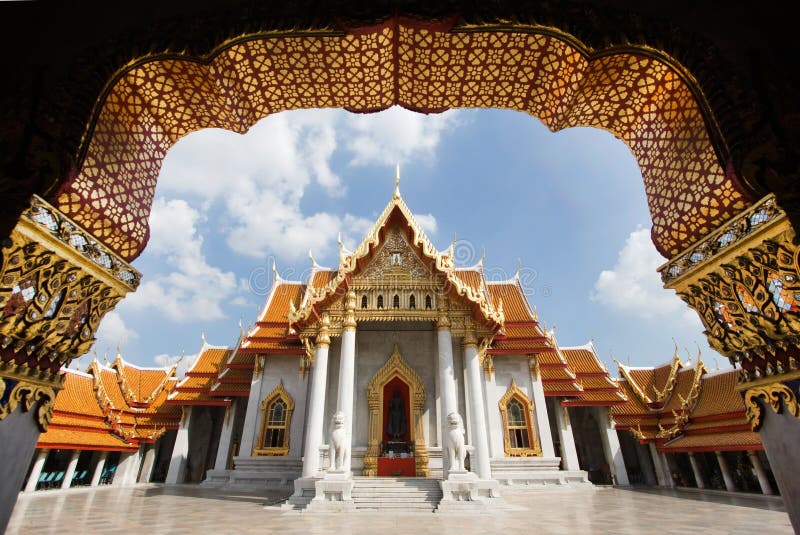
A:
[745,286]
[535,449]
[776,395]
[27,395]
[396,366]
[56,284]
[279,392]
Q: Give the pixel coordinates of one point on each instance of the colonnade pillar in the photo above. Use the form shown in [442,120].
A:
[698,474]
[36,471]
[347,370]
[730,485]
[662,472]
[569,455]
[224,447]
[147,463]
[481,463]
[540,410]
[253,407]
[316,401]
[761,474]
[73,464]
[98,469]
[611,447]
[447,380]
[180,451]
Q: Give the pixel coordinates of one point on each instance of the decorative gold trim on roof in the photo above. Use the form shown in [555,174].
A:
[26,395]
[776,395]
[681,416]
[669,385]
[443,263]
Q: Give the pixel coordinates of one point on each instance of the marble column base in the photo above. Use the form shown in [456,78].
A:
[463,490]
[333,493]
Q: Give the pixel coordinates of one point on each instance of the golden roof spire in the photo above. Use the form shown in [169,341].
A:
[397,182]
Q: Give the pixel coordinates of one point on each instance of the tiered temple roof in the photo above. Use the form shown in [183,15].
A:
[78,420]
[201,377]
[682,407]
[112,408]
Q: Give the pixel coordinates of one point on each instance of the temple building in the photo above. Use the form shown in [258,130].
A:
[399,363]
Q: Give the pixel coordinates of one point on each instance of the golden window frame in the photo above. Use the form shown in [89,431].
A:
[279,393]
[535,448]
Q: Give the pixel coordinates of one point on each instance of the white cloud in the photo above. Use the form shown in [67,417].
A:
[427,222]
[194,290]
[113,332]
[396,135]
[634,286]
[260,178]
[184,362]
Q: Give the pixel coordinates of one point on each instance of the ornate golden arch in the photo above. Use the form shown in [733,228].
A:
[514,392]
[278,393]
[396,366]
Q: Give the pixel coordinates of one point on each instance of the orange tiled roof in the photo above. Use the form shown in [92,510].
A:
[690,409]
[67,438]
[204,373]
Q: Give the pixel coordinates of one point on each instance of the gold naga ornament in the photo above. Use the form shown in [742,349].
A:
[56,284]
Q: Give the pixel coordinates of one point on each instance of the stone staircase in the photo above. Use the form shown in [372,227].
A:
[396,494]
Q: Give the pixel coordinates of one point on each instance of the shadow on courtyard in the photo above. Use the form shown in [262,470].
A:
[756,501]
[261,497]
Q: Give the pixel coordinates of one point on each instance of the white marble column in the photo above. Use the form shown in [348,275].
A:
[147,463]
[761,474]
[661,465]
[540,410]
[73,463]
[698,473]
[727,477]
[177,464]
[36,471]
[224,447]
[663,481]
[316,401]
[611,447]
[480,463]
[122,474]
[569,455]
[98,468]
[447,380]
[495,428]
[347,372]
[253,409]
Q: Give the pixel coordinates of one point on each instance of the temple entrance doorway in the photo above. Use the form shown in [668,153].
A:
[396,397]
[397,450]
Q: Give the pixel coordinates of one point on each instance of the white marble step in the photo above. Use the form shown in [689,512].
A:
[396,494]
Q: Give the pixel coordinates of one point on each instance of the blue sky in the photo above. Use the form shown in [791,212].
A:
[570,205]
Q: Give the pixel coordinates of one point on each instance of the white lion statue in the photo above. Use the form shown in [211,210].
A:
[338,452]
[455,441]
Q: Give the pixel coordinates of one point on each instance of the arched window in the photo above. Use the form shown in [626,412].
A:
[517,425]
[519,437]
[380,301]
[428,302]
[276,411]
[363,301]
[412,302]
[396,301]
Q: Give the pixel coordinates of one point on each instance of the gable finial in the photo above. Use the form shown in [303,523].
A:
[311,257]
[519,267]
[397,182]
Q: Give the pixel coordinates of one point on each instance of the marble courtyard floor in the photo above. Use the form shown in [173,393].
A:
[150,509]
